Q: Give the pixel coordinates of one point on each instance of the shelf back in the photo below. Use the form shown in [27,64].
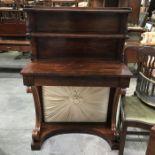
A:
[77,32]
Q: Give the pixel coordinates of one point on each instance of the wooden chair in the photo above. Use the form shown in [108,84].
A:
[151,144]
[139,110]
[76,48]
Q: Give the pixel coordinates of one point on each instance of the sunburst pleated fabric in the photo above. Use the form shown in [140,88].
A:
[75,104]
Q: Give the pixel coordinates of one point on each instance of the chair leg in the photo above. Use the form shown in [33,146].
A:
[122,138]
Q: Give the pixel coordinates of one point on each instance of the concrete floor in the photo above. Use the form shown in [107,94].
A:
[17,121]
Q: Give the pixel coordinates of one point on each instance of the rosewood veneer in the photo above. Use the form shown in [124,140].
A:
[76,47]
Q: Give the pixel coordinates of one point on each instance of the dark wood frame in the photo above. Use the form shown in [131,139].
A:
[74,65]
[124,132]
[151,144]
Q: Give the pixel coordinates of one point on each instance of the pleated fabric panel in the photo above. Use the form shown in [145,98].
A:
[75,104]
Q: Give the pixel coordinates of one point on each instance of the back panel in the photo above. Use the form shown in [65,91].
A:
[85,33]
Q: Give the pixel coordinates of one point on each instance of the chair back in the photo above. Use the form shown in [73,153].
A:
[145,89]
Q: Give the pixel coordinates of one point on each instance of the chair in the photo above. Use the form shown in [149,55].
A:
[139,110]
[151,144]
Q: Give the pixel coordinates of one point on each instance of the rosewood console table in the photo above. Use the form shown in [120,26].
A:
[76,49]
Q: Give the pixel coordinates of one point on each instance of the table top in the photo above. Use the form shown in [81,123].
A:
[76,68]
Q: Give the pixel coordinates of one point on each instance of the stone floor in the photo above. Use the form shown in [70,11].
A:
[13,60]
[17,121]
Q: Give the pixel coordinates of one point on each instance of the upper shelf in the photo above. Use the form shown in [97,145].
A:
[77,32]
[75,35]
[78,20]
[80,9]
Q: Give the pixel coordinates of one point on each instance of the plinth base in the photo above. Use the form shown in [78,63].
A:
[49,130]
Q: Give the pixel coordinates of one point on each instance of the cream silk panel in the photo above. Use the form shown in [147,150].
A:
[75,104]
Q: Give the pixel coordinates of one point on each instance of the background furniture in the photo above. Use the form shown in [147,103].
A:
[138,110]
[136,26]
[13,30]
[135,5]
[151,7]
[70,48]
[107,3]
[51,3]
[63,2]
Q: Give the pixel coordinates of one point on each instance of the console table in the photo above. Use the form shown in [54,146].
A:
[77,49]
